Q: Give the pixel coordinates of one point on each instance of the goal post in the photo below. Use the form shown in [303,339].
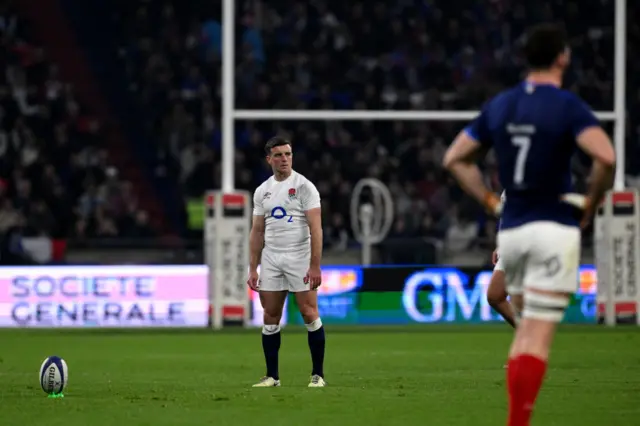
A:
[372,115]
[230,115]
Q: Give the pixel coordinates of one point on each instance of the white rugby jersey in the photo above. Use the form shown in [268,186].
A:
[283,205]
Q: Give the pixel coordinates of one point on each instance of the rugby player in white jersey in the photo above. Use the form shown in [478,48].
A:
[534,128]
[286,240]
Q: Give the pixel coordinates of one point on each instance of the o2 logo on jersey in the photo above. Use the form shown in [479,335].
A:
[280,213]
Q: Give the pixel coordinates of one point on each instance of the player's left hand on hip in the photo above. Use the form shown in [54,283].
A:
[578,201]
[314,278]
[587,216]
[583,203]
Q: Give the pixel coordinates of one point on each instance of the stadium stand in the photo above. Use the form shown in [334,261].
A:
[326,55]
[56,176]
[157,64]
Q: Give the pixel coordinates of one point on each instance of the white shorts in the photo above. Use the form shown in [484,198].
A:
[284,271]
[499,266]
[540,255]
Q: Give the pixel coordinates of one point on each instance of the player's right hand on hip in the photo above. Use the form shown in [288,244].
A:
[494,257]
[493,204]
[254,281]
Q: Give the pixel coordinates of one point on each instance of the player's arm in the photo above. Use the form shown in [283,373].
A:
[460,159]
[256,242]
[315,228]
[592,139]
[595,142]
[256,237]
[311,207]
[312,211]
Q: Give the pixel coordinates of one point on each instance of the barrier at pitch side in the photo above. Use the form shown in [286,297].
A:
[386,295]
[178,296]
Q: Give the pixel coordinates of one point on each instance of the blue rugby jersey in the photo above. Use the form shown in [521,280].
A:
[533,130]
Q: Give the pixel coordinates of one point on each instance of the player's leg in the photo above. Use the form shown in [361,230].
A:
[272,303]
[497,295]
[308,304]
[272,297]
[513,264]
[508,275]
[307,301]
[550,277]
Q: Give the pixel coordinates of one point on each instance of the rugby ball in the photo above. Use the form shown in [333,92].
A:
[53,375]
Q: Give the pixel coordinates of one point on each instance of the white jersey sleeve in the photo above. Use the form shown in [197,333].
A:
[309,196]
[258,207]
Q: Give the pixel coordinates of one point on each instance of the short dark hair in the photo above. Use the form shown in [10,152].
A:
[543,45]
[275,141]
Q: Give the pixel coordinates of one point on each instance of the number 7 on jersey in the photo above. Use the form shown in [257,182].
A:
[523,143]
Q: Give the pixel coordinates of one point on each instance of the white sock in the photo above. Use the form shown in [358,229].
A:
[269,329]
[314,325]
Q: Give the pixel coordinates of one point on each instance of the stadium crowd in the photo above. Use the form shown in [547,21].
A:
[412,55]
[316,54]
[56,179]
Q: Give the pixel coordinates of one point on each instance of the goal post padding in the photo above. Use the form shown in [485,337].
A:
[226,252]
[617,244]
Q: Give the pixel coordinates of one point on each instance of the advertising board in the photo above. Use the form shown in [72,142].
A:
[104,296]
[416,294]
[178,296]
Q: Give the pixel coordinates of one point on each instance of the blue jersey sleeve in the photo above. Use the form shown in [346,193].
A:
[582,117]
[479,130]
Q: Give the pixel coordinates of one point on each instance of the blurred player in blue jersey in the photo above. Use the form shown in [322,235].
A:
[286,241]
[534,129]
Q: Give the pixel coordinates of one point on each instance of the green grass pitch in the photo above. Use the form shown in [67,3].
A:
[449,376]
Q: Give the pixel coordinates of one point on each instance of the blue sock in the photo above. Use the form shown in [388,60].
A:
[316,341]
[271,347]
